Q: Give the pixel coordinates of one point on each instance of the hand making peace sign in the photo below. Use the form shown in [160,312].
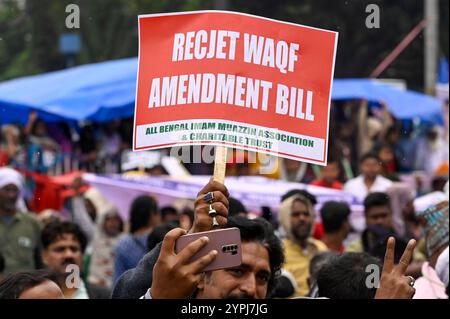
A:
[394,284]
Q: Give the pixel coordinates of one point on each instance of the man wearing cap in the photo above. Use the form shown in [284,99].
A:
[19,231]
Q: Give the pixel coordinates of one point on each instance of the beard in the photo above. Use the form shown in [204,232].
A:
[8,205]
[302,231]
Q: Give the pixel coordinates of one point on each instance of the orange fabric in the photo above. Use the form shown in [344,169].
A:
[334,185]
[318,231]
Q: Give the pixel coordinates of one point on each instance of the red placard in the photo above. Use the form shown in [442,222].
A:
[233,79]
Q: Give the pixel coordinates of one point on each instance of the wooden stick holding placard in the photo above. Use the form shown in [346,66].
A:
[220,162]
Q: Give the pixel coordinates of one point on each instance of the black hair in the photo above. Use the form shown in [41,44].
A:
[55,230]
[168,210]
[15,284]
[345,277]
[333,215]
[378,249]
[315,265]
[87,139]
[261,231]
[283,288]
[334,161]
[236,207]
[312,199]
[142,208]
[332,158]
[438,183]
[157,235]
[369,155]
[318,261]
[393,129]
[65,128]
[376,199]
[383,145]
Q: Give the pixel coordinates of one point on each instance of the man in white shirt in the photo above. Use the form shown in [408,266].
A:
[370,179]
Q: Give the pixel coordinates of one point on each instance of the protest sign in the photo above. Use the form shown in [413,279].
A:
[236,80]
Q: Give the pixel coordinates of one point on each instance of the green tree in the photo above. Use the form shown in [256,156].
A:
[29,37]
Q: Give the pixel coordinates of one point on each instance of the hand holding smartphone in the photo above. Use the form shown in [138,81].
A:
[227,242]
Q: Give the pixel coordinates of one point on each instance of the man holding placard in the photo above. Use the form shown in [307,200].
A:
[230,80]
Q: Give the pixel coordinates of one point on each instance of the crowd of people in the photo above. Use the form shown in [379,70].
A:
[55,148]
[87,249]
[356,128]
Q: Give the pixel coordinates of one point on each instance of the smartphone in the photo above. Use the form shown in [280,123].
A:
[227,242]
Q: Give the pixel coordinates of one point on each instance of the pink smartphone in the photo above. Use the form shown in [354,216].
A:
[226,241]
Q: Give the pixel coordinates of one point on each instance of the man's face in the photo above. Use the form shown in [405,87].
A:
[112,225]
[393,137]
[370,168]
[8,198]
[172,217]
[64,251]
[301,220]
[291,165]
[330,173]
[380,216]
[249,280]
[386,155]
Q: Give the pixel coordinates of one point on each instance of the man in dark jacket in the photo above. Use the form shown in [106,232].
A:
[262,257]
[135,283]
[162,273]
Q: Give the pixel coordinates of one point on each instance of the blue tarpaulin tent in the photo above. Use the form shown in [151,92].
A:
[105,91]
[98,92]
[403,104]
